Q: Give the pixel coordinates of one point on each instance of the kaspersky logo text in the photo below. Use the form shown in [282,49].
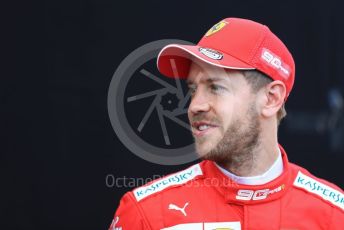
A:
[174,179]
[324,191]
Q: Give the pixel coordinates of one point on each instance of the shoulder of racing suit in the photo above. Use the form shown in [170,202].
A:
[317,187]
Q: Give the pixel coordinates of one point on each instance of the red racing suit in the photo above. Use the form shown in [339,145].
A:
[202,197]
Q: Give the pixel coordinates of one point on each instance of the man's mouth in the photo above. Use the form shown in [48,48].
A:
[202,128]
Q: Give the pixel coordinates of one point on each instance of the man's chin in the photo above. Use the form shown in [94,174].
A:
[201,153]
[218,158]
[206,145]
[210,151]
[204,152]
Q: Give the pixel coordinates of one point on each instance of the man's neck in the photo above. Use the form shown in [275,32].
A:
[253,164]
[273,172]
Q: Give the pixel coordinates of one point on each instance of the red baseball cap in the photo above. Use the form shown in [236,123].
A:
[233,43]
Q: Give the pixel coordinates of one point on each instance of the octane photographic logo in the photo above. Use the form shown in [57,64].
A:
[148,111]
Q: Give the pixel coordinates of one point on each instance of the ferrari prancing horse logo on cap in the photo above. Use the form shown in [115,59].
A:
[216,28]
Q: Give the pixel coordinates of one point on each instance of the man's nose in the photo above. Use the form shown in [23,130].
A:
[199,103]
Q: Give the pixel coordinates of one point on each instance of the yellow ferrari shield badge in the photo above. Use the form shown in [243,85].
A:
[216,28]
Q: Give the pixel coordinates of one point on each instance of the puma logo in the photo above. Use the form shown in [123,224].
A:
[175,207]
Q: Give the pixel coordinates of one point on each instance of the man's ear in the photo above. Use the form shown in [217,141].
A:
[274,95]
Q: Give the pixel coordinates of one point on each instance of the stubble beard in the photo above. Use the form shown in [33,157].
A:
[237,146]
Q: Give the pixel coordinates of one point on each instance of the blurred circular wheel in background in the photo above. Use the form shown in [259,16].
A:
[148,111]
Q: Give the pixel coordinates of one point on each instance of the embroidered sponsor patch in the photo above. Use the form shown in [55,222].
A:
[113,224]
[275,62]
[174,179]
[210,53]
[191,226]
[324,191]
[222,226]
[207,226]
[244,194]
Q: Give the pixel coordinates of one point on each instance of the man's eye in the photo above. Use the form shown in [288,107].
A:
[216,87]
[192,89]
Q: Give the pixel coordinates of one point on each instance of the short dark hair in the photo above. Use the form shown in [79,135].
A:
[258,80]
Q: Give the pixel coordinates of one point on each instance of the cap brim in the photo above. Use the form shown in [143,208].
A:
[174,60]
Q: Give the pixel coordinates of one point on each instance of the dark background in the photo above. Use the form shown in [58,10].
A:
[58,145]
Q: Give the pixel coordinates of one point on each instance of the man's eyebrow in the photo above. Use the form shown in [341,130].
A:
[208,80]
[213,79]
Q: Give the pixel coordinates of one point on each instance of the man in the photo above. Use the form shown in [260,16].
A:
[240,75]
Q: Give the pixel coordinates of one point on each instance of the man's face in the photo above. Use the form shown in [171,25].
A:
[222,113]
